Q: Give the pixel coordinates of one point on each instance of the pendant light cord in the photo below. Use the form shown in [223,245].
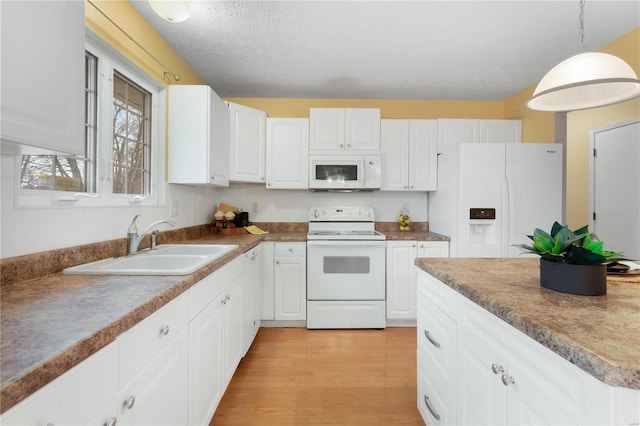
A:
[582,23]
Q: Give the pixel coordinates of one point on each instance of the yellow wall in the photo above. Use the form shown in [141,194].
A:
[141,31]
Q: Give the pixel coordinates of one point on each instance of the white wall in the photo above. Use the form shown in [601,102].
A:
[32,230]
[293,206]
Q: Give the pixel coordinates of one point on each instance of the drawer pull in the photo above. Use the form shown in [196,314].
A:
[497,368]
[164,330]
[431,339]
[430,408]
[130,402]
[111,422]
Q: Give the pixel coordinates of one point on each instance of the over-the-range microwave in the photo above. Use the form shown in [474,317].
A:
[345,172]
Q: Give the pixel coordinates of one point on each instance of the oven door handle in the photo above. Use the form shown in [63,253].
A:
[346,243]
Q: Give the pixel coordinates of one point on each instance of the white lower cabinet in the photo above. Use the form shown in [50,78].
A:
[401,274]
[290,281]
[474,368]
[252,296]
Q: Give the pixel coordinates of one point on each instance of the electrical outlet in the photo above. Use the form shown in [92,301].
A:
[255,207]
[174,208]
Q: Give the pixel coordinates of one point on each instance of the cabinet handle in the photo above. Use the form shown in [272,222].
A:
[277,262]
[411,187]
[431,339]
[497,368]
[341,145]
[164,330]
[430,408]
[111,422]
[348,145]
[406,187]
[269,184]
[130,402]
[508,380]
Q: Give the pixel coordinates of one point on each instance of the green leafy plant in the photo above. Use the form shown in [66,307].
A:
[562,245]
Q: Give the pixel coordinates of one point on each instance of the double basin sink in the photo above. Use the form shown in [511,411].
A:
[166,259]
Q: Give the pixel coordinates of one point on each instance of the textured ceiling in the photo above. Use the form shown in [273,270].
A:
[464,50]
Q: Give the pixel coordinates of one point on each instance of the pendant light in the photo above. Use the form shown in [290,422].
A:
[586,80]
[172,10]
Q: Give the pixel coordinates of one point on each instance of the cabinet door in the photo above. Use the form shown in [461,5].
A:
[158,395]
[394,146]
[198,129]
[268,290]
[362,129]
[290,288]
[43,89]
[232,336]
[500,131]
[326,129]
[482,398]
[433,249]
[287,153]
[401,280]
[205,362]
[456,131]
[248,134]
[423,155]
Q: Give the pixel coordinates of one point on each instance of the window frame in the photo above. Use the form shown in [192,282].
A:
[110,60]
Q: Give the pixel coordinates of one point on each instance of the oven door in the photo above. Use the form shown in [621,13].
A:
[345,270]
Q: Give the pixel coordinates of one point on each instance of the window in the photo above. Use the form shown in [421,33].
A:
[124,140]
[131,137]
[67,173]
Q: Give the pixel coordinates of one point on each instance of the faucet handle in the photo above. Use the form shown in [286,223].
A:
[133,229]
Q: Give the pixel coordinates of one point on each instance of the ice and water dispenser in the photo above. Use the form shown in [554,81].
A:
[482,225]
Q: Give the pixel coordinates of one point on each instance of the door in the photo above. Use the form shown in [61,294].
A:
[615,187]
[534,191]
[401,280]
[289,282]
[394,142]
[248,134]
[423,156]
[287,153]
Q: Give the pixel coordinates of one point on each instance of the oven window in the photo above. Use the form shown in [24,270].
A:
[336,173]
[345,265]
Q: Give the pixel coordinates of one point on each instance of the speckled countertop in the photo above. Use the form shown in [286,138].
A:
[50,322]
[599,334]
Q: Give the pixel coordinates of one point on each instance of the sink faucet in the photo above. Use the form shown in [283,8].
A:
[135,237]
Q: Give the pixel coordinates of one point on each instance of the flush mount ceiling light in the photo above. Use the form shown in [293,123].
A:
[586,80]
[172,10]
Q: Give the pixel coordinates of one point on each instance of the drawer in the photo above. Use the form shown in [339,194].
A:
[296,249]
[139,345]
[437,334]
[438,293]
[435,403]
[204,292]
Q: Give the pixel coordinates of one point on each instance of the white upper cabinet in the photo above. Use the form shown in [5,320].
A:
[198,136]
[409,155]
[248,134]
[42,77]
[287,153]
[340,129]
[456,131]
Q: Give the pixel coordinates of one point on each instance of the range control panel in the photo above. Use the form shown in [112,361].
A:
[475,213]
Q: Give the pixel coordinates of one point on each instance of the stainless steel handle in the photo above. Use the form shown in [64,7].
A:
[497,368]
[430,408]
[508,380]
[277,262]
[130,402]
[111,422]
[431,339]
[164,330]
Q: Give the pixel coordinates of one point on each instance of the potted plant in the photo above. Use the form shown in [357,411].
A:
[571,261]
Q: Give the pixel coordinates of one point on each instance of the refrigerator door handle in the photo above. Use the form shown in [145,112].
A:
[506,218]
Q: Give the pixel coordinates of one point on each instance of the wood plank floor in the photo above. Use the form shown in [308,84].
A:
[294,376]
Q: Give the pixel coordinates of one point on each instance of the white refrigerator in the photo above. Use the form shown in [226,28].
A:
[491,196]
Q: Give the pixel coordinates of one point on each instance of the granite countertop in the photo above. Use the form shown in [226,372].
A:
[50,321]
[599,334]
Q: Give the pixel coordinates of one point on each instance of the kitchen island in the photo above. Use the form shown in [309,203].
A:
[499,314]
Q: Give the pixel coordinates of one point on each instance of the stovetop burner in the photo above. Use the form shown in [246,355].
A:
[342,223]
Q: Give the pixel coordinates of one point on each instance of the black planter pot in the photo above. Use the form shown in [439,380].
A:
[585,280]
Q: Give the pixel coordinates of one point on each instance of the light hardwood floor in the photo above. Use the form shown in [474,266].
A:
[294,376]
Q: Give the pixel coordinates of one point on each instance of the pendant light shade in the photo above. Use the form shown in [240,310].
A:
[587,80]
[172,10]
